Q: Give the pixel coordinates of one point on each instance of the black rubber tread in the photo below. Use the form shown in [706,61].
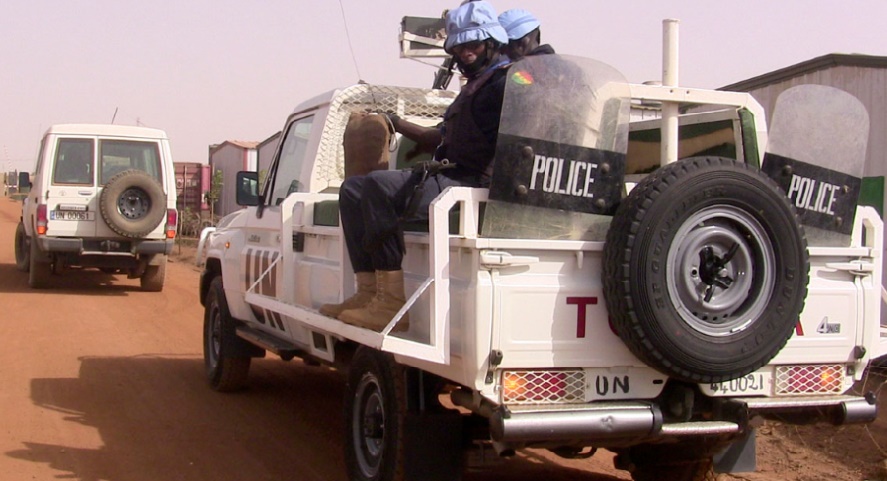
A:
[40,268]
[675,462]
[155,275]
[639,238]
[392,382]
[224,372]
[117,186]
[22,249]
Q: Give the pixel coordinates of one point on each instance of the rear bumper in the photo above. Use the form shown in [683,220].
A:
[105,246]
[616,422]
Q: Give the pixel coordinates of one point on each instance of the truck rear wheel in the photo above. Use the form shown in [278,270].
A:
[22,249]
[672,462]
[375,401]
[224,371]
[706,270]
[39,267]
[154,276]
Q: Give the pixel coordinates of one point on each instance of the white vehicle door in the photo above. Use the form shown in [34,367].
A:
[261,261]
[71,195]
[120,155]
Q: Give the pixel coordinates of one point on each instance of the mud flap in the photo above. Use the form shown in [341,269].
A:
[738,457]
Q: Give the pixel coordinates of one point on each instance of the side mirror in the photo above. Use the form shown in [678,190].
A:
[247,193]
[24,181]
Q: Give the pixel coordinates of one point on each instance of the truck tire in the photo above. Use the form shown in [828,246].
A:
[39,267]
[154,276]
[132,203]
[22,249]
[706,270]
[224,371]
[375,401]
[671,462]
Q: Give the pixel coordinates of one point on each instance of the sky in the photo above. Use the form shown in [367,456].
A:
[206,71]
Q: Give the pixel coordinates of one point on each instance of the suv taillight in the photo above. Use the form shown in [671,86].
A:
[172,218]
[41,219]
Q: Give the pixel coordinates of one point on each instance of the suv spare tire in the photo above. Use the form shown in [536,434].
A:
[706,270]
[133,203]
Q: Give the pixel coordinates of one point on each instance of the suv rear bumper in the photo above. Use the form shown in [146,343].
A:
[106,246]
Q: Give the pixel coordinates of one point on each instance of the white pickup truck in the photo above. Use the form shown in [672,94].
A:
[633,279]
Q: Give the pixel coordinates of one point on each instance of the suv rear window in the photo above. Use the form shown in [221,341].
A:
[73,162]
[120,155]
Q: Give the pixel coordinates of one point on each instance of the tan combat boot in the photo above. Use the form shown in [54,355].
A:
[378,313]
[366,291]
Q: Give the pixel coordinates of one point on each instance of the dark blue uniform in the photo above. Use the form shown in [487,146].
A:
[371,206]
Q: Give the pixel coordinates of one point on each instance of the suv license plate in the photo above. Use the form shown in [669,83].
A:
[71,215]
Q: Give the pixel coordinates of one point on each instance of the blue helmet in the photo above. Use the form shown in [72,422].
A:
[473,21]
[518,23]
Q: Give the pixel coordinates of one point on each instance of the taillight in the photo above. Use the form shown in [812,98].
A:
[812,379]
[534,386]
[172,218]
[41,219]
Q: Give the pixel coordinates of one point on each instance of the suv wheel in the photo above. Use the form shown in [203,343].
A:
[133,203]
[152,279]
[40,268]
[22,249]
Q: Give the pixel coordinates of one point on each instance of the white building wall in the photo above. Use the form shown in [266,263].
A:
[230,159]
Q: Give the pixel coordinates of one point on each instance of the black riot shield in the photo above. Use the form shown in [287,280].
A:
[816,153]
[560,157]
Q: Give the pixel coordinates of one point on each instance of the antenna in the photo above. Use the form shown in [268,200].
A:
[115,114]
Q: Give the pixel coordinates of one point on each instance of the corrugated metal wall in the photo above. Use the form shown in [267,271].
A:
[189,186]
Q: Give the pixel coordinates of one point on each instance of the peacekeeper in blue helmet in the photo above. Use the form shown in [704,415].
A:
[372,206]
[524,36]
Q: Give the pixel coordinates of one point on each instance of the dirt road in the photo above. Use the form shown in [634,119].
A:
[101,381]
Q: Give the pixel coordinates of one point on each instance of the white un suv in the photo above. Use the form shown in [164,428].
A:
[102,196]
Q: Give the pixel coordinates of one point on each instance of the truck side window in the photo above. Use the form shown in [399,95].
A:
[292,158]
[73,162]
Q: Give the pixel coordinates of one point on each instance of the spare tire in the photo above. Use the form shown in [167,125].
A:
[706,270]
[133,203]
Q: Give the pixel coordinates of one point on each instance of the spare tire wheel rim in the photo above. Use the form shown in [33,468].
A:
[723,271]
[134,203]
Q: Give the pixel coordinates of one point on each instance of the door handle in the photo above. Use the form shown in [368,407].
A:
[504,259]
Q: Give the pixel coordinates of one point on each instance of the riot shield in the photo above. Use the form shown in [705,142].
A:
[560,156]
[816,153]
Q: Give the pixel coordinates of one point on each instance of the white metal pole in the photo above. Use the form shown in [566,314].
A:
[669,79]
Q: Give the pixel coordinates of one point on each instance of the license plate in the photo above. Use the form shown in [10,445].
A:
[71,215]
[754,384]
